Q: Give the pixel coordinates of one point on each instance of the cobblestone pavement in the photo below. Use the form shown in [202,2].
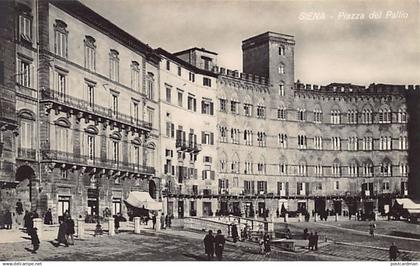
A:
[175,245]
[180,245]
[351,239]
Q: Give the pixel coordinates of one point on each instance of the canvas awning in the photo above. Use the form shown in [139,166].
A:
[143,200]
[409,204]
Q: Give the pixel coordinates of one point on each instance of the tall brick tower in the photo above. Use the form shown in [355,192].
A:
[271,55]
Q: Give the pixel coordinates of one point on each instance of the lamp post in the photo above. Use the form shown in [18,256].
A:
[98,229]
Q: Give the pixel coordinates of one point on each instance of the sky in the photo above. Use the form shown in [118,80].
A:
[359,42]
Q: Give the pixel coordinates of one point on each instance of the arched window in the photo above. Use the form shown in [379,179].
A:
[402,115]
[336,168]
[368,169]
[353,168]
[61,38]
[114,65]
[386,168]
[135,76]
[62,135]
[90,53]
[367,117]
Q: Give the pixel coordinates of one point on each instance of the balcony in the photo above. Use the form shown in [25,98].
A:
[84,106]
[182,144]
[26,154]
[84,160]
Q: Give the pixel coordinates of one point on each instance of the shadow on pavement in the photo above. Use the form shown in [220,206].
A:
[196,257]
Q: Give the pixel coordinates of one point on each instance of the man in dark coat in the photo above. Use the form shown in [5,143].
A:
[70,230]
[154,220]
[48,217]
[316,240]
[27,220]
[209,245]
[305,233]
[117,219]
[219,244]
[393,252]
[311,241]
[34,239]
[62,231]
[8,219]
[162,221]
[19,207]
[267,244]
[234,233]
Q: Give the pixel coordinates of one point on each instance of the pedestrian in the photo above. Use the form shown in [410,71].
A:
[34,239]
[154,221]
[393,252]
[209,245]
[8,219]
[234,232]
[62,231]
[316,240]
[305,233]
[19,207]
[162,221]
[27,220]
[311,241]
[48,217]
[277,213]
[267,244]
[261,244]
[117,219]
[169,221]
[70,231]
[372,229]
[219,244]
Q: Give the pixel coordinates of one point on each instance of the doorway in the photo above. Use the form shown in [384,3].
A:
[261,209]
[207,209]
[63,206]
[181,209]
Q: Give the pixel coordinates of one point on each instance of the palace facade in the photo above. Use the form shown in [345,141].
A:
[90,113]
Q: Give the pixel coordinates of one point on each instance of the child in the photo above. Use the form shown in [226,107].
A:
[34,239]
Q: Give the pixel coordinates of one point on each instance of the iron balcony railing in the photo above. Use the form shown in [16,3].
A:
[188,146]
[97,162]
[26,153]
[85,106]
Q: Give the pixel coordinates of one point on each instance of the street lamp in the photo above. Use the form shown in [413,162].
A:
[98,229]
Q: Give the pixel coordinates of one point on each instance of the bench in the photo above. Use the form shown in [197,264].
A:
[284,244]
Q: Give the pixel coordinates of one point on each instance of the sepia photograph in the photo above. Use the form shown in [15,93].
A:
[137,131]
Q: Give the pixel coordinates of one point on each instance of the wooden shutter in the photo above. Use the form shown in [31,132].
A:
[212,138]
[203,174]
[287,188]
[212,175]
[203,137]
[211,109]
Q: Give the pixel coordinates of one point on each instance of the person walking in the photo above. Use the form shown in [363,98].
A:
[393,252]
[234,232]
[117,219]
[34,239]
[154,221]
[162,221]
[62,231]
[8,219]
[305,233]
[267,244]
[209,245]
[311,241]
[48,217]
[27,220]
[316,240]
[219,244]
[372,229]
[70,230]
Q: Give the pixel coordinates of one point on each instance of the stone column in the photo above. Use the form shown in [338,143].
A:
[300,217]
[38,225]
[286,217]
[80,228]
[199,208]
[315,217]
[111,228]
[137,225]
[336,217]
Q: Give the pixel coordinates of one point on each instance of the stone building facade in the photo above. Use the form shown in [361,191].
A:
[86,107]
[188,136]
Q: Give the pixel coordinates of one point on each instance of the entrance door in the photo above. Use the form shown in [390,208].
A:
[170,208]
[207,209]
[224,208]
[116,205]
[301,207]
[249,209]
[193,211]
[236,209]
[261,209]
[180,209]
[63,206]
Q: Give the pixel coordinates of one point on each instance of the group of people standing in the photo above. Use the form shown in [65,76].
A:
[214,245]
[66,230]
[265,244]
[165,221]
[312,239]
